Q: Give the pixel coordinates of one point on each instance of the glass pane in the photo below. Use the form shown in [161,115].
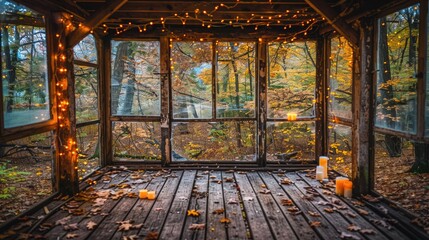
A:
[89,150]
[24,74]
[290,141]
[135,83]
[396,68]
[86,50]
[136,141]
[291,79]
[401,178]
[86,92]
[341,75]
[26,171]
[192,79]
[235,83]
[340,148]
[217,141]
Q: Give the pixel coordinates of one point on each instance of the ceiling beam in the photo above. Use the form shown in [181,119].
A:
[331,16]
[97,18]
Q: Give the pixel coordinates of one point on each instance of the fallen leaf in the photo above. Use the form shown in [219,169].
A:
[383,210]
[381,222]
[103,193]
[232,201]
[293,209]
[151,236]
[158,209]
[367,231]
[315,224]
[90,225]
[44,227]
[286,181]
[225,220]
[350,214]
[263,186]
[349,236]
[286,202]
[196,226]
[70,227]
[326,192]
[63,221]
[265,191]
[127,225]
[193,213]
[218,211]
[132,237]
[362,212]
[372,199]
[353,228]
[229,179]
[314,214]
[99,202]
[328,210]
[247,199]
[132,195]
[71,235]
[324,203]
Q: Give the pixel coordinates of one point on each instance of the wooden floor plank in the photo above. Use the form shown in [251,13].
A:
[297,222]
[143,207]
[215,229]
[358,220]
[157,215]
[177,214]
[86,206]
[198,202]
[279,225]
[326,230]
[258,225]
[237,229]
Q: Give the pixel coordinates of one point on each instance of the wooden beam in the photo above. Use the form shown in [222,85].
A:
[363,110]
[261,98]
[331,16]
[98,18]
[166,101]
[322,58]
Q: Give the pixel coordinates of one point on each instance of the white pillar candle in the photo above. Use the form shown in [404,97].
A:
[323,161]
[319,173]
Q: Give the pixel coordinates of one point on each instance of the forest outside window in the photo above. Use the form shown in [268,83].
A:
[25,90]
[397,55]
[291,90]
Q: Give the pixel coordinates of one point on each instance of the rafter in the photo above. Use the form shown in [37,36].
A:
[91,23]
[331,16]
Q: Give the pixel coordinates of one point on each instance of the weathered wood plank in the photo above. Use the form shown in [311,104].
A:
[337,220]
[358,220]
[326,231]
[237,229]
[198,202]
[298,223]
[279,224]
[177,214]
[215,229]
[141,210]
[157,215]
[257,222]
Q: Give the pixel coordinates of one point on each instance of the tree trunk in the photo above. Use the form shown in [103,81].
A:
[393,143]
[237,93]
[117,75]
[421,165]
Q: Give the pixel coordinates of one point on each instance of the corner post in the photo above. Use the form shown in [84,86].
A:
[165,101]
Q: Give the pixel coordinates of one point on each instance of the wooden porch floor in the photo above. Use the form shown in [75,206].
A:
[227,204]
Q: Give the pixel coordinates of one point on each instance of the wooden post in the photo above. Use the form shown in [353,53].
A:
[363,110]
[261,114]
[322,58]
[165,102]
[105,137]
[63,75]
[422,79]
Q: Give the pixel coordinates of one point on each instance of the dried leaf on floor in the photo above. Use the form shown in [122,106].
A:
[70,227]
[286,202]
[345,235]
[151,236]
[99,202]
[196,226]
[71,235]
[328,210]
[232,201]
[218,211]
[353,228]
[127,225]
[286,181]
[247,199]
[315,224]
[63,221]
[314,214]
[265,191]
[367,231]
[350,214]
[225,220]
[362,212]
[229,179]
[193,213]
[131,237]
[293,209]
[90,225]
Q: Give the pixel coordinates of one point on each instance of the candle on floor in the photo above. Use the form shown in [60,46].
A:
[319,173]
[143,193]
[323,161]
[151,195]
[339,185]
[291,116]
[348,186]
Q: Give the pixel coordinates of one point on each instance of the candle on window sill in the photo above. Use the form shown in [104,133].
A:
[291,116]
[323,161]
[319,173]
[151,195]
[143,193]
[348,186]
[339,185]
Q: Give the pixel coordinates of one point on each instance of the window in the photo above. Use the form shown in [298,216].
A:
[86,102]
[396,70]
[135,80]
[340,78]
[25,90]
[291,86]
